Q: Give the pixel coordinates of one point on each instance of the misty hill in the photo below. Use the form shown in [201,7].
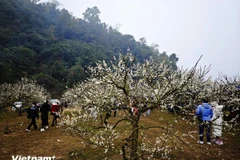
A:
[42,42]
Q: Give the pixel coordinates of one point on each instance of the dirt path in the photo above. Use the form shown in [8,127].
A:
[56,142]
[52,142]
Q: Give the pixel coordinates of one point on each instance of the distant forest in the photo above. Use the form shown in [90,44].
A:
[42,42]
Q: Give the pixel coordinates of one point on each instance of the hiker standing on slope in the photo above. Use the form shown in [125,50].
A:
[204,111]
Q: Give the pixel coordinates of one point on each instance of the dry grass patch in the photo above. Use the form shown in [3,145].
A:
[56,141]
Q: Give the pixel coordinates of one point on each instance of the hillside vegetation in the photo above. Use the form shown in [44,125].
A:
[42,42]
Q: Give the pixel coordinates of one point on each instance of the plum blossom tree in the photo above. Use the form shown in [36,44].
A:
[132,84]
[226,91]
[25,89]
[199,86]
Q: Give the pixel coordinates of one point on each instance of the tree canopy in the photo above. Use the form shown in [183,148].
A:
[42,42]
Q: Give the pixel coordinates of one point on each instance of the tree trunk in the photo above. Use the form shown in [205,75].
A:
[105,121]
[134,154]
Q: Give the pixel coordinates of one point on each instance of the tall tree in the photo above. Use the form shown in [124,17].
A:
[91,15]
[132,84]
[173,59]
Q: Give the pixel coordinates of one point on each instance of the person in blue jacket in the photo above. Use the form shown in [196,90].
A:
[205,112]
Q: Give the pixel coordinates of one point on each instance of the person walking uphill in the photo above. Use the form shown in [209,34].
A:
[204,111]
[32,114]
[44,116]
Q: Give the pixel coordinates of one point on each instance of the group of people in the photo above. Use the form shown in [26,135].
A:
[33,114]
[210,115]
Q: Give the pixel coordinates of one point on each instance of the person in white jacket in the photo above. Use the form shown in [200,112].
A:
[217,121]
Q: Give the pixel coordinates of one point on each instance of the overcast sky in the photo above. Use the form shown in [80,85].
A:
[189,28]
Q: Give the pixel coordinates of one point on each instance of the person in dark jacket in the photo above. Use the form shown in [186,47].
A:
[32,114]
[206,113]
[44,115]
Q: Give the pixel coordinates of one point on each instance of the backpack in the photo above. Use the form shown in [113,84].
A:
[32,112]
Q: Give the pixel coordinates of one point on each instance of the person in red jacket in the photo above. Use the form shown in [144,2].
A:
[55,112]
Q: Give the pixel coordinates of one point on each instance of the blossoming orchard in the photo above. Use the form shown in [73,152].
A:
[134,89]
